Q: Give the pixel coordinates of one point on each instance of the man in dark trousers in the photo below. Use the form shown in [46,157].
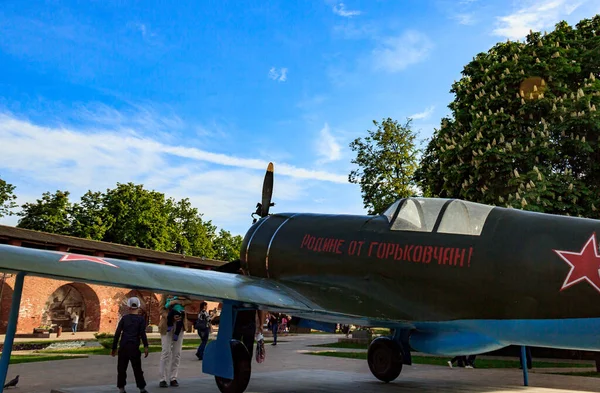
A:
[274,322]
[202,326]
[131,328]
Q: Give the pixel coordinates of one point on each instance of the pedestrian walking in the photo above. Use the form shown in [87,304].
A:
[74,322]
[130,330]
[203,328]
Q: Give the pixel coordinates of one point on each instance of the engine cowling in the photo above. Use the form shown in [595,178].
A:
[284,245]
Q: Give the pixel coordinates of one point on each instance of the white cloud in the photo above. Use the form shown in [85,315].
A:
[397,53]
[341,10]
[225,187]
[537,16]
[283,76]
[142,28]
[327,146]
[50,151]
[423,115]
[280,75]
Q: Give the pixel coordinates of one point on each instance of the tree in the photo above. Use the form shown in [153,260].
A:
[134,216]
[387,162]
[49,214]
[90,217]
[190,234]
[7,198]
[141,217]
[525,128]
[227,247]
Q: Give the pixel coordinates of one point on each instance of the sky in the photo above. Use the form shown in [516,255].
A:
[194,98]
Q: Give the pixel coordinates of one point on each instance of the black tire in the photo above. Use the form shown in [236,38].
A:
[385,359]
[241,370]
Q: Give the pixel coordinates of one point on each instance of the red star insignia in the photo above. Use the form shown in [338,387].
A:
[584,264]
[77,257]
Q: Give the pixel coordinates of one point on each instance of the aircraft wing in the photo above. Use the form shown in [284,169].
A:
[195,283]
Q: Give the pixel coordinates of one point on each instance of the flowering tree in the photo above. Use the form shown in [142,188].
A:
[525,126]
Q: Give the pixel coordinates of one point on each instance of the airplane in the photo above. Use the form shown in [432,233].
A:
[447,276]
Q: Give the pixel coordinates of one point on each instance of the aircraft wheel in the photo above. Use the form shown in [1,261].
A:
[241,370]
[385,359]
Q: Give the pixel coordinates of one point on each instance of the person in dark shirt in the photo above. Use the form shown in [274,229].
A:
[274,324]
[131,328]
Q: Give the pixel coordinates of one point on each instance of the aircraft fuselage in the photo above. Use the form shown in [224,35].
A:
[356,265]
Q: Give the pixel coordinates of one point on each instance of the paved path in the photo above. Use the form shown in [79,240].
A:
[424,380]
[287,370]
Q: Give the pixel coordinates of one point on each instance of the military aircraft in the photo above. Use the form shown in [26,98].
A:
[448,276]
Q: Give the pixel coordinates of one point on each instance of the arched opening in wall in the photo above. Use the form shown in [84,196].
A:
[149,305]
[5,302]
[71,299]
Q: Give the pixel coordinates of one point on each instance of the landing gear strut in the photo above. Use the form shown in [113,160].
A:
[241,370]
[229,358]
[385,359]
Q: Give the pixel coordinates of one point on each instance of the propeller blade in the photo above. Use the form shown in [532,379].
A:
[267,191]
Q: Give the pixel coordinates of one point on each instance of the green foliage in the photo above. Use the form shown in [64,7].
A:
[525,126]
[7,198]
[100,335]
[141,217]
[134,216]
[227,247]
[191,235]
[49,214]
[106,343]
[90,218]
[387,162]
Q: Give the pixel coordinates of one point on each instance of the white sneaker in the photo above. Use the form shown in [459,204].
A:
[449,364]
[468,366]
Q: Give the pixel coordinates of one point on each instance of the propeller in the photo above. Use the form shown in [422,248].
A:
[262,208]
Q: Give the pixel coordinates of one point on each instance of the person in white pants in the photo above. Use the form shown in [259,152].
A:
[171,350]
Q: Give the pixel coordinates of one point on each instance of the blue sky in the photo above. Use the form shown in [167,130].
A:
[193,98]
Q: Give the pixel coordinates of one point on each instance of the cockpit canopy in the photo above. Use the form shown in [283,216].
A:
[438,215]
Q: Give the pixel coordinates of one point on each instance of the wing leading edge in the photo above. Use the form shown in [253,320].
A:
[201,284]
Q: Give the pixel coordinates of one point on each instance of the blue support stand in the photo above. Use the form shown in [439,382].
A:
[524,364]
[218,359]
[401,336]
[11,329]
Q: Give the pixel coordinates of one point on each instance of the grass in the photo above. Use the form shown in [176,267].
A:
[16,359]
[345,345]
[443,361]
[106,351]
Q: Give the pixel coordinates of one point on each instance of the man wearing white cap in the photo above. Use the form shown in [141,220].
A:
[131,328]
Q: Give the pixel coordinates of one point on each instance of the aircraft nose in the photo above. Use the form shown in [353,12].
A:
[255,249]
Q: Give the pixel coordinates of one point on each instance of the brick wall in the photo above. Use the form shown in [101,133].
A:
[103,305]
[7,293]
